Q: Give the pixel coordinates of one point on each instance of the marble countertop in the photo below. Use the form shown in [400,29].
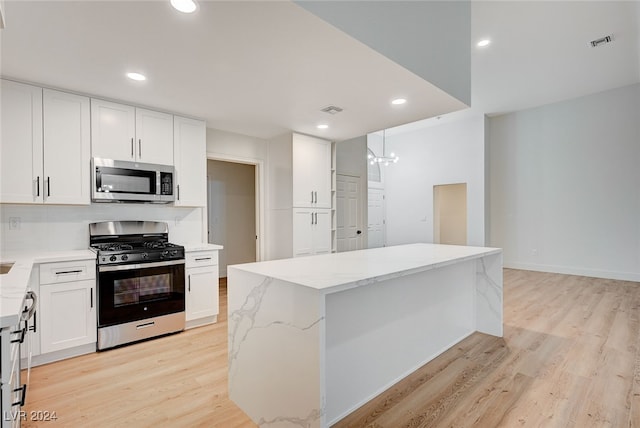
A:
[201,246]
[13,285]
[331,273]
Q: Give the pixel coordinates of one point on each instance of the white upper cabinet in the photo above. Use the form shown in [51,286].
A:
[123,132]
[45,146]
[311,172]
[67,148]
[190,157]
[113,130]
[154,137]
[21,145]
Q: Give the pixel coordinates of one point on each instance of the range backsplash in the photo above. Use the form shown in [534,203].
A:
[61,227]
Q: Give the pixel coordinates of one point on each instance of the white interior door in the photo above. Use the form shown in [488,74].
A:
[375,228]
[349,218]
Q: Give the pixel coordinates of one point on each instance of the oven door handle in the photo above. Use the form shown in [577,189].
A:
[139,265]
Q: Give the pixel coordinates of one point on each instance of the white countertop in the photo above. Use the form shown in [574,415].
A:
[339,271]
[201,246]
[13,285]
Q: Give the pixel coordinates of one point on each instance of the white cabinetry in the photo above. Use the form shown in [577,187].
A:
[67,305]
[311,231]
[66,148]
[21,144]
[190,157]
[202,304]
[311,172]
[45,146]
[129,133]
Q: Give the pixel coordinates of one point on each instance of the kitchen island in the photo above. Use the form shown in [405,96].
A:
[311,339]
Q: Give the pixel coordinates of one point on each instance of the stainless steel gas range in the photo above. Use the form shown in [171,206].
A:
[141,282]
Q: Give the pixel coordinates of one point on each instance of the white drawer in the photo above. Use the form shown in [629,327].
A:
[52,273]
[201,258]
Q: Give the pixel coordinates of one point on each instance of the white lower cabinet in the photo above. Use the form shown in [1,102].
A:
[311,231]
[67,305]
[201,288]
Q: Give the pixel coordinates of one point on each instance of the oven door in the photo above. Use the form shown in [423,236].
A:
[138,291]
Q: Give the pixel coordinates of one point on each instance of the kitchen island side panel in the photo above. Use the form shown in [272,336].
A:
[379,334]
[276,334]
[489,295]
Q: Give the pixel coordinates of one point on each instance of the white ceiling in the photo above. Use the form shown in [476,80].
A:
[265,68]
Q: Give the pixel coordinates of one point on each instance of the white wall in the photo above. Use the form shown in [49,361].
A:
[234,145]
[447,153]
[565,186]
[60,227]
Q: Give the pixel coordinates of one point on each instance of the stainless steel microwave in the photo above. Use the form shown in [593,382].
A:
[123,181]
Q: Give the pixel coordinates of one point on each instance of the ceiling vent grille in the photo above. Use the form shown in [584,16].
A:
[601,41]
[331,109]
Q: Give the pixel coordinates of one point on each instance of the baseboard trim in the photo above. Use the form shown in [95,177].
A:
[567,270]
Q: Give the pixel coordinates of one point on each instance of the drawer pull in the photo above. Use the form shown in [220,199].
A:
[202,259]
[23,395]
[68,272]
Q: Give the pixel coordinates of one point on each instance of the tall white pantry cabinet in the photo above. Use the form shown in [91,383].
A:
[303,207]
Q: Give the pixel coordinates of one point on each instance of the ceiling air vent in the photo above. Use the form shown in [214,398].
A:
[331,109]
[601,41]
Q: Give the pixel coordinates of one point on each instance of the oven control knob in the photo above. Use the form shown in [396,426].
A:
[112,258]
[145,255]
[124,257]
[165,253]
[174,253]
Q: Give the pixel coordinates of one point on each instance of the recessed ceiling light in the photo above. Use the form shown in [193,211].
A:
[484,42]
[398,101]
[322,126]
[185,6]
[136,76]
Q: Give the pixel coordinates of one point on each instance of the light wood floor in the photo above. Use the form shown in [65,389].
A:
[570,357]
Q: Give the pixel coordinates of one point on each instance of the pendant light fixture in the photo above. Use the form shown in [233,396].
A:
[385,160]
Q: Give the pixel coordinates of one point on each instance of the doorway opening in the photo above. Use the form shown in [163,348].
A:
[232,215]
[450,214]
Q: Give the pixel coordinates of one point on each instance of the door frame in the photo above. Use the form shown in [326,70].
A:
[259,191]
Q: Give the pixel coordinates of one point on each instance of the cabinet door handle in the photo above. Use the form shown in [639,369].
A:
[316,197]
[189,283]
[178,191]
[68,272]
[38,186]
[139,148]
[132,147]
[48,186]
[312,196]
[91,294]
